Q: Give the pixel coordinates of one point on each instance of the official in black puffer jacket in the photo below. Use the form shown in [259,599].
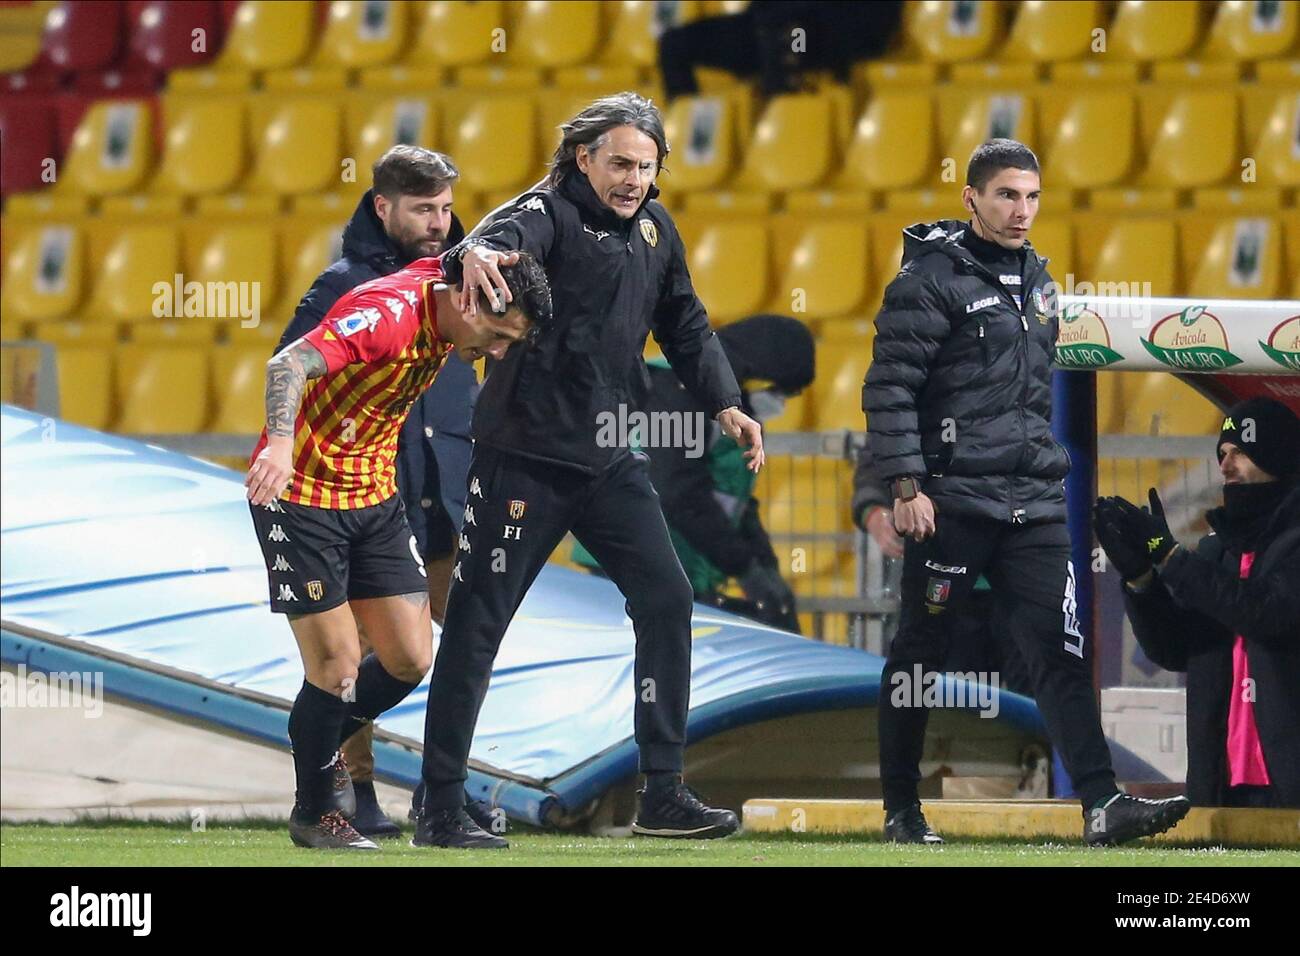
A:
[958,403]
[1228,613]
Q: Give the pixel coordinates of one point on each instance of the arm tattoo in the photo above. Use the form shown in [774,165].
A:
[286,377]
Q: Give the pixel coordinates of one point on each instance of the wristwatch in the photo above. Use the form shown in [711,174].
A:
[904,489]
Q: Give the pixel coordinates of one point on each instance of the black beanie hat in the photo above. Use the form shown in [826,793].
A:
[776,348]
[1267,432]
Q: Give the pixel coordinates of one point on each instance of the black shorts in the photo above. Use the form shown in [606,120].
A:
[317,558]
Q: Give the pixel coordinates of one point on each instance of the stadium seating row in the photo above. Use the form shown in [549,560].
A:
[811,264]
[279,34]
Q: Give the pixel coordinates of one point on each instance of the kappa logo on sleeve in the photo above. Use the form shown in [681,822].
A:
[351,324]
[534,204]
[395,306]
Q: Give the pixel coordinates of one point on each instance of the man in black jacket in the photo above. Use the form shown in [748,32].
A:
[406,216]
[958,403]
[544,462]
[1227,613]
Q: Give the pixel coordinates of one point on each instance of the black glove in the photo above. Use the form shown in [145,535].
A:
[1146,528]
[1129,556]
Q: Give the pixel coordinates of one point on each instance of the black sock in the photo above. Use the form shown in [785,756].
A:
[376,691]
[662,779]
[314,725]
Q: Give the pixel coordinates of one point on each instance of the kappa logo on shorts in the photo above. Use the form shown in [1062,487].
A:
[281,564]
[944,568]
[469,515]
[475,489]
[277,534]
[286,593]
[517,509]
[315,590]
[273,506]
[464,545]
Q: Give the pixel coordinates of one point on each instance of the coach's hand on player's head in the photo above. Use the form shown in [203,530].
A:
[271,471]
[915,518]
[746,433]
[480,270]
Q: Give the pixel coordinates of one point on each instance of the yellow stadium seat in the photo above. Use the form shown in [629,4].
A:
[1096,71]
[821,266]
[596,80]
[162,389]
[703,134]
[207,79]
[60,333]
[556,106]
[141,207]
[1154,29]
[239,382]
[1130,251]
[297,145]
[1053,239]
[474,129]
[44,206]
[1278,71]
[112,150]
[497,77]
[193,332]
[308,249]
[969,120]
[227,206]
[1291,230]
[946,31]
[362,34]
[878,76]
[378,123]
[126,261]
[806,495]
[1191,137]
[1237,258]
[549,33]
[1093,143]
[412,79]
[635,28]
[237,262]
[305,81]
[85,385]
[792,146]
[1251,30]
[21,27]
[269,35]
[1128,201]
[794,418]
[843,357]
[1277,158]
[892,144]
[43,274]
[728,262]
[1238,201]
[456,34]
[204,151]
[1189,73]
[1046,32]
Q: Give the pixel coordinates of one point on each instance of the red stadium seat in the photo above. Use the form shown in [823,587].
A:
[84,35]
[162,34]
[136,81]
[27,138]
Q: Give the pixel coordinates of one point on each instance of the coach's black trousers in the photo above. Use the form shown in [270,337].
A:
[518,510]
[1032,579]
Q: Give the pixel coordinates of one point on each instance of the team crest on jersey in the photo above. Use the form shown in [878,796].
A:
[517,509]
[364,319]
[648,232]
[315,590]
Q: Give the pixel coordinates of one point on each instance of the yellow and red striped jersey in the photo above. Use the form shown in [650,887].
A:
[382,350]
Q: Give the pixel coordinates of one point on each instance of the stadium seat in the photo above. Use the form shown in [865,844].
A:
[1238,201]
[728,262]
[1128,251]
[892,144]
[112,151]
[796,416]
[269,35]
[1280,72]
[227,206]
[1291,235]
[552,33]
[204,148]
[1093,143]
[162,34]
[62,332]
[1044,32]
[825,202]
[792,145]
[125,262]
[407,79]
[1096,71]
[141,207]
[171,332]
[878,76]
[1236,258]
[361,34]
[239,258]
[297,144]
[308,248]
[1251,30]
[239,383]
[728,203]
[1186,74]
[22,27]
[28,133]
[843,356]
[635,27]
[970,120]
[43,206]
[1129,201]
[804,495]
[1277,158]
[42,273]
[84,36]
[703,131]
[306,81]
[207,79]
[949,30]
[1053,238]
[375,124]
[1154,29]
[162,389]
[85,385]
[1191,137]
[496,77]
[458,34]
[473,130]
[821,266]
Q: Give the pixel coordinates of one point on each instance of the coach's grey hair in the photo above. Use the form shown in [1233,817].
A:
[591,128]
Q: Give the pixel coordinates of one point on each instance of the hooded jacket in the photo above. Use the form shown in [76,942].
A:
[959,391]
[433,448]
[613,281]
[1188,619]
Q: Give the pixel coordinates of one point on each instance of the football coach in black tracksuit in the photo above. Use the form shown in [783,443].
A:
[958,403]
[544,462]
